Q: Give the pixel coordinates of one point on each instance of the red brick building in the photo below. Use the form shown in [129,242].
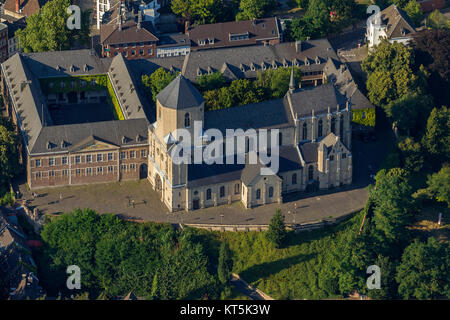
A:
[123,34]
[3,42]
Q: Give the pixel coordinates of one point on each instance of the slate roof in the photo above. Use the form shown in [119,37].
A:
[308,151]
[318,98]
[67,137]
[60,63]
[266,114]
[258,29]
[173,40]
[283,55]
[329,141]
[397,22]
[180,94]
[340,76]
[125,87]
[289,159]
[204,174]
[26,96]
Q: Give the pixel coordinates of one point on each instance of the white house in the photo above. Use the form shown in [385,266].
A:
[150,10]
[392,23]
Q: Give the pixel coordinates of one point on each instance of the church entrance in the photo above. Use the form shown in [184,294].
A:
[143,170]
[195,204]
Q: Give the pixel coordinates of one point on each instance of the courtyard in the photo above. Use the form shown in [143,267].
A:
[81,113]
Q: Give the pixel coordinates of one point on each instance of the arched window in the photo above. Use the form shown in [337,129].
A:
[341,128]
[222,191]
[237,188]
[208,194]
[320,133]
[247,144]
[187,120]
[270,192]
[294,178]
[280,139]
[333,125]
[258,194]
[310,173]
[305,131]
[159,113]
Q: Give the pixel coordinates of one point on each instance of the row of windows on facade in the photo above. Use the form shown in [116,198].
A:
[237,190]
[88,171]
[133,45]
[133,52]
[90,158]
[83,83]
[320,131]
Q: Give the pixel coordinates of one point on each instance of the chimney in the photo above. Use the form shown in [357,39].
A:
[298,46]
[17,6]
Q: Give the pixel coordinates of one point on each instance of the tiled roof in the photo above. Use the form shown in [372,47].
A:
[397,22]
[110,33]
[308,151]
[28,7]
[221,34]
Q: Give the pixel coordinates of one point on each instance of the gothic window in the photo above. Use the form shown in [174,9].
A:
[305,131]
[258,194]
[222,191]
[208,194]
[237,187]
[294,178]
[270,192]
[310,172]
[341,128]
[320,133]
[333,125]
[187,120]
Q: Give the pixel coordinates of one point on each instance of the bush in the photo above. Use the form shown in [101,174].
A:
[7,199]
[277,229]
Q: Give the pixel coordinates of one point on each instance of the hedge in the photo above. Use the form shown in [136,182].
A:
[365,117]
[112,99]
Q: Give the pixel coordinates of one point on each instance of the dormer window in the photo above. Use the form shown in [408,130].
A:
[201,42]
[239,36]
[242,67]
[211,40]
[317,60]
[252,67]
[263,66]
[199,72]
[306,62]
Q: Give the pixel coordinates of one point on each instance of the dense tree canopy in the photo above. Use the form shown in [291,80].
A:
[437,137]
[414,12]
[116,257]
[9,154]
[199,11]
[47,29]
[391,73]
[254,9]
[439,185]
[424,270]
[157,81]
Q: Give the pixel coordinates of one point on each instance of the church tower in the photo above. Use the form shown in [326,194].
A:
[177,107]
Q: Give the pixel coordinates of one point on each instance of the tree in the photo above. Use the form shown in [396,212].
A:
[413,155]
[298,29]
[437,137]
[345,9]
[9,155]
[277,229]
[414,12]
[439,185]
[318,17]
[157,81]
[276,81]
[198,11]
[423,272]
[225,262]
[47,29]
[391,73]
[211,81]
[437,20]
[392,198]
[432,50]
[409,111]
[388,288]
[254,9]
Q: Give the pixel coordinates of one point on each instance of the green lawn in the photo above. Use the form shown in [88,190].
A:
[292,271]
